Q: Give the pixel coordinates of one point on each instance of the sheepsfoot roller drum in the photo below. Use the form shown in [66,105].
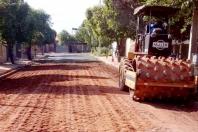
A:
[150,77]
[156,78]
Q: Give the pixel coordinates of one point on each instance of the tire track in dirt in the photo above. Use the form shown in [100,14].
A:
[35,120]
[141,116]
[128,111]
[14,100]
[22,113]
[58,120]
[9,99]
[76,97]
[73,103]
[83,114]
[115,118]
[67,109]
[164,120]
[22,98]
[47,99]
[121,111]
[62,118]
[93,110]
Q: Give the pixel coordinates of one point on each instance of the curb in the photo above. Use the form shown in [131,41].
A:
[12,71]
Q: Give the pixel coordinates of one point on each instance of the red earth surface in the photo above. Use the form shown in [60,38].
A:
[83,97]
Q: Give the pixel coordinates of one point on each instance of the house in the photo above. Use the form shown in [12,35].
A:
[77,47]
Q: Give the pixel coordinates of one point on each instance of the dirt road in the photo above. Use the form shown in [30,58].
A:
[83,97]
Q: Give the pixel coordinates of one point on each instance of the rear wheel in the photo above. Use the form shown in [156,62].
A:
[122,79]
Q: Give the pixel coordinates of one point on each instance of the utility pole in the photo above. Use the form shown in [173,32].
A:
[100,2]
[99,39]
[193,46]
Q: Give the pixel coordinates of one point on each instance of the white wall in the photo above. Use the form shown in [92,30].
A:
[129,47]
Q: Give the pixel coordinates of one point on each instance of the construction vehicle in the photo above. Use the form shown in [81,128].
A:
[150,70]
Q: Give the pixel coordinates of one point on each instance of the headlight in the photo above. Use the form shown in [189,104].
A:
[169,36]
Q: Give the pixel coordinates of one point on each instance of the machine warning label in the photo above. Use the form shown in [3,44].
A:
[160,45]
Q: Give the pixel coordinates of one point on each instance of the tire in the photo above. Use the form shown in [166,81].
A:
[131,93]
[122,86]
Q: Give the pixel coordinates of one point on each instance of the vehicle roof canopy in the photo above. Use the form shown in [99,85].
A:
[3,10]
[157,11]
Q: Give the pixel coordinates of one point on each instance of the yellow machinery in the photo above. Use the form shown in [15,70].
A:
[151,71]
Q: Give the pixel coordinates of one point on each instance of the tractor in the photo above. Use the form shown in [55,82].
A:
[150,70]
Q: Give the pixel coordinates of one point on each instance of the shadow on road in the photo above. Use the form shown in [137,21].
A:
[57,67]
[27,106]
[175,105]
[59,90]
[43,79]
[66,61]
[89,90]
[44,83]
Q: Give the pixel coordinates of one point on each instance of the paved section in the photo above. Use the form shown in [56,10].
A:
[83,96]
[67,57]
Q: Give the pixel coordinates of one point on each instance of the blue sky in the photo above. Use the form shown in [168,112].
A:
[65,14]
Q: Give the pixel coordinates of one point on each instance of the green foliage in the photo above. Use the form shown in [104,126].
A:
[65,37]
[94,30]
[20,23]
[101,51]
[180,26]
[84,33]
[39,23]
[9,23]
[105,24]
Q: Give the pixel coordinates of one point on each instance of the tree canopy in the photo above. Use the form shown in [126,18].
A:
[65,37]
[114,20]
[19,23]
[104,24]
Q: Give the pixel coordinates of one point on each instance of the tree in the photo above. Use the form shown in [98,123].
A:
[181,23]
[96,26]
[22,24]
[34,28]
[121,21]
[65,37]
[84,34]
[9,28]
[104,24]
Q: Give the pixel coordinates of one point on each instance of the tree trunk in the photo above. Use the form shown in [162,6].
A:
[42,49]
[121,48]
[54,47]
[7,55]
[29,52]
[10,53]
[118,49]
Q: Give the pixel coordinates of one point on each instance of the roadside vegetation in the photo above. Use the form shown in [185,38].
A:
[111,21]
[19,23]
[114,21]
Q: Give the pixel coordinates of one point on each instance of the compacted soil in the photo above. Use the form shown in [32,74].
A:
[83,97]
